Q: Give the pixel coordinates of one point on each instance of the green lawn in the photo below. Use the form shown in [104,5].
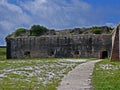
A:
[2,53]
[106,75]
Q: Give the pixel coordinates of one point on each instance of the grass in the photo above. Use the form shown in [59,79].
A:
[2,53]
[33,74]
[46,73]
[106,75]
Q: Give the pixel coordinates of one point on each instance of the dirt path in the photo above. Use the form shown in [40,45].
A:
[79,78]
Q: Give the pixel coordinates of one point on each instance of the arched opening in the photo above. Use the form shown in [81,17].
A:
[76,53]
[27,54]
[104,54]
[51,52]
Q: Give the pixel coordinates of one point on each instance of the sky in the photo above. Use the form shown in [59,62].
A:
[56,14]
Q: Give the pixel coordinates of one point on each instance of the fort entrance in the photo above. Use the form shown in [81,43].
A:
[103,55]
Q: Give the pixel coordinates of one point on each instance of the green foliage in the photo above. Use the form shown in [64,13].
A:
[19,31]
[8,36]
[37,30]
[96,30]
[106,75]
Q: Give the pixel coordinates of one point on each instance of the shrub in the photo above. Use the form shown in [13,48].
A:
[96,30]
[8,36]
[19,31]
[37,30]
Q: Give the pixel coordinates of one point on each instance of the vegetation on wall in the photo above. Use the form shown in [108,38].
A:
[37,30]
[19,31]
[8,36]
[97,30]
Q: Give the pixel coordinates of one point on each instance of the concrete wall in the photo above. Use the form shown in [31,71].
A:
[82,46]
[115,53]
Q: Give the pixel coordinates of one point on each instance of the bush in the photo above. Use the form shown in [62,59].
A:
[37,30]
[96,30]
[19,31]
[8,36]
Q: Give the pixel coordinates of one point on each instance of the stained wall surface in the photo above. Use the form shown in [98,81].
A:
[81,46]
[115,52]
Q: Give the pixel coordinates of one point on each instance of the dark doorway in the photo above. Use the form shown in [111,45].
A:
[27,54]
[50,52]
[104,54]
[76,53]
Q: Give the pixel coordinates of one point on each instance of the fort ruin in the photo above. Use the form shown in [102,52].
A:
[62,45]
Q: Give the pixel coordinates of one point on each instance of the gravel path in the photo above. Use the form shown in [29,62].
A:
[79,78]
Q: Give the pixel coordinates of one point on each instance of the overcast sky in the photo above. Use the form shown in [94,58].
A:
[56,14]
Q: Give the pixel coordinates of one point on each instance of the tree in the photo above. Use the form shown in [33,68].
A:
[37,30]
[19,31]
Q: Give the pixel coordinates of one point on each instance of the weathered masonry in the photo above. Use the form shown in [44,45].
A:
[115,52]
[78,46]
